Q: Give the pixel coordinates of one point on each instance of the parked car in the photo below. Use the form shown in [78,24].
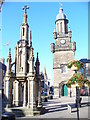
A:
[8,116]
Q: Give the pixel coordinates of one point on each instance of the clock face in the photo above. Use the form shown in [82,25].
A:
[63,42]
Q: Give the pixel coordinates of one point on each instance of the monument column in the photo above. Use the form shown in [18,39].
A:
[31,82]
[28,94]
[39,93]
[17,93]
[32,93]
[8,81]
[24,98]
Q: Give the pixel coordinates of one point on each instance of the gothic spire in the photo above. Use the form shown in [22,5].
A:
[24,25]
[9,55]
[37,60]
[9,62]
[37,57]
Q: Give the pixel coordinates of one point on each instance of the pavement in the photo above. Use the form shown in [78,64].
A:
[58,108]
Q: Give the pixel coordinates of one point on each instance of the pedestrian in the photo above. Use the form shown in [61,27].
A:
[70,93]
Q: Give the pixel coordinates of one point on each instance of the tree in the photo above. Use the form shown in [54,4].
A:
[77,78]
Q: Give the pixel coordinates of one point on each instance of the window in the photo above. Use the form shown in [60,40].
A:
[61,27]
[57,27]
[64,69]
[23,31]
[20,56]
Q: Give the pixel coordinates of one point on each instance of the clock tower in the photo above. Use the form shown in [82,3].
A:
[63,52]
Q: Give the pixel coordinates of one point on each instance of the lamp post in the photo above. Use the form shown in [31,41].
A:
[77,96]
[77,100]
[78,80]
[76,68]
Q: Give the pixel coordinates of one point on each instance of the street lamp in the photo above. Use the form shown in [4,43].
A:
[75,66]
[77,99]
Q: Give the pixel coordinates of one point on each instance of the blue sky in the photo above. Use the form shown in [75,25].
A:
[41,20]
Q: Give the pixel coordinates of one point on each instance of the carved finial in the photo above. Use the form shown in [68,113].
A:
[9,55]
[37,55]
[37,60]
[69,29]
[9,52]
[25,8]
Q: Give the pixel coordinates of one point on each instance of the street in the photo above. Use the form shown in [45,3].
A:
[58,108]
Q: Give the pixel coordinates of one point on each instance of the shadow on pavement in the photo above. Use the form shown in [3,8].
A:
[56,108]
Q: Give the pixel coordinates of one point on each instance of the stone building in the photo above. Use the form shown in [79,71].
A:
[2,75]
[86,68]
[45,83]
[85,71]
[23,86]
[63,52]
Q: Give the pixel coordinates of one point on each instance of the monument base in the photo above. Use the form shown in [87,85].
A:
[26,112]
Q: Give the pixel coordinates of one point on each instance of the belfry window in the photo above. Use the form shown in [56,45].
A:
[23,31]
[61,27]
[20,58]
[57,27]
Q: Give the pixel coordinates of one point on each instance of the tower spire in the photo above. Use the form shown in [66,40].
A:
[24,25]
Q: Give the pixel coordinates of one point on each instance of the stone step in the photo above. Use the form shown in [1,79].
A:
[23,112]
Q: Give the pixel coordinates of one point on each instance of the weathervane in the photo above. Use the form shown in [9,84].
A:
[60,5]
[25,8]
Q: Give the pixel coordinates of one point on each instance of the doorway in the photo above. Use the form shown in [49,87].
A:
[65,90]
